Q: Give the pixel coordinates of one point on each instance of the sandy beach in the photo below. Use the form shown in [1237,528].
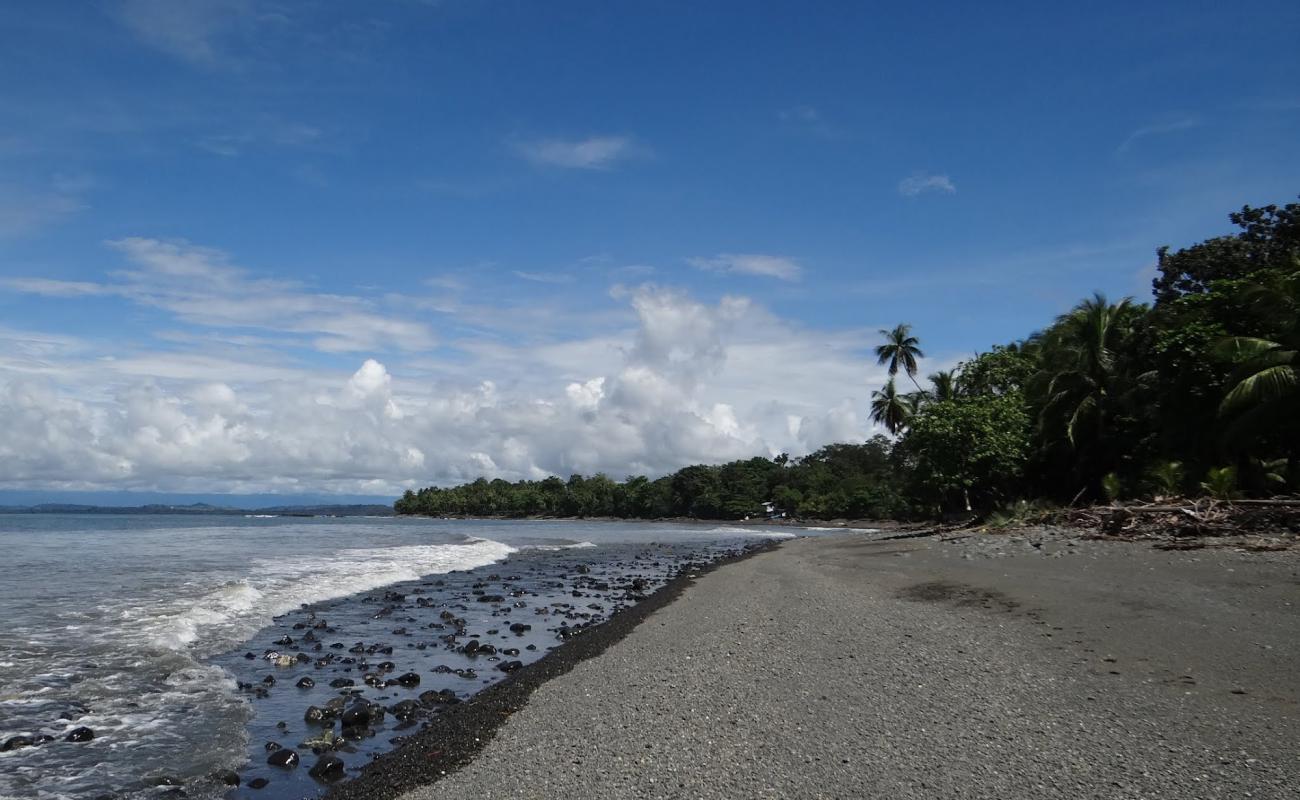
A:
[1033,665]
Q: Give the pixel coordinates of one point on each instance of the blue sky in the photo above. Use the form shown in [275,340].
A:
[291,247]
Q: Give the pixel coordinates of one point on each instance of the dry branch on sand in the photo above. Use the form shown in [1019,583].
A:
[1265,524]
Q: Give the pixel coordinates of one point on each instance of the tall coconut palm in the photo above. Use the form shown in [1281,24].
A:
[901,349]
[943,385]
[889,408]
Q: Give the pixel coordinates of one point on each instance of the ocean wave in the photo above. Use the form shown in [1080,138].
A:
[232,612]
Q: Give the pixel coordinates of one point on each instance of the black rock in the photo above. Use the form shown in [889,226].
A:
[510,666]
[227,777]
[283,757]
[305,682]
[269,680]
[519,628]
[79,735]
[286,641]
[444,697]
[357,715]
[328,769]
[271,747]
[342,683]
[258,783]
[313,715]
[16,743]
[408,680]
[405,710]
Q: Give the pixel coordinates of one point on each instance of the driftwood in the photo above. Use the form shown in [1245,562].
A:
[1206,517]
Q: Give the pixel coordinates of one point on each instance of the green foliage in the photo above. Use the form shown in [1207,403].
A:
[1112,487]
[968,449]
[1221,483]
[1166,479]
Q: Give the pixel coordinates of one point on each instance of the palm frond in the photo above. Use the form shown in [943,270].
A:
[1266,385]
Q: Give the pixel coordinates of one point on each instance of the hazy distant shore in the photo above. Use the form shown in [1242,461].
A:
[1027,665]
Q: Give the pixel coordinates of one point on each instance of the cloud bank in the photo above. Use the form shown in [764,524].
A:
[221,405]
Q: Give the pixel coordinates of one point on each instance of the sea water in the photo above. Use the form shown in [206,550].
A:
[121,623]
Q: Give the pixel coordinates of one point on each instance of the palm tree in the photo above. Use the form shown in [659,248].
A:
[1269,369]
[945,385]
[889,408]
[901,349]
[1083,375]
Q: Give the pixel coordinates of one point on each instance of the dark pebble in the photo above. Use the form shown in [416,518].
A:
[79,735]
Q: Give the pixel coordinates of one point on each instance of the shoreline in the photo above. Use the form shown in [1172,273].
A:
[1033,664]
[455,737]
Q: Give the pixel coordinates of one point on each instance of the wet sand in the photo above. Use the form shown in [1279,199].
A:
[1025,666]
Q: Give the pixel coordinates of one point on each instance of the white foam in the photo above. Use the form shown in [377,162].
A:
[236,610]
[735,530]
[852,530]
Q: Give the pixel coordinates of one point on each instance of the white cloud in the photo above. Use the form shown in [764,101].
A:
[1157,130]
[779,267]
[594,152]
[921,182]
[200,286]
[26,209]
[544,277]
[683,382]
[190,30]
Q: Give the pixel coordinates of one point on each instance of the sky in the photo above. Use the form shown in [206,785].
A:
[353,248]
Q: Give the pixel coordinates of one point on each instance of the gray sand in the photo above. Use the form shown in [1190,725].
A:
[988,668]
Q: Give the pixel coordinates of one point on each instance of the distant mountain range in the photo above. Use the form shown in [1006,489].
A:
[327,510]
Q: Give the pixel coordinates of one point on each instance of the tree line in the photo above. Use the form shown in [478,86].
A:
[1196,392]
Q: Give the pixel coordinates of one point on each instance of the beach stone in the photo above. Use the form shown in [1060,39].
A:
[16,743]
[510,666]
[82,734]
[443,697]
[405,710]
[471,647]
[258,783]
[305,683]
[328,768]
[408,680]
[284,757]
[314,715]
[519,628]
[271,747]
[357,715]
[227,777]
[342,683]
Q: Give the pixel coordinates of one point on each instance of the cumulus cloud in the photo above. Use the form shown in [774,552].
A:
[685,382]
[779,267]
[921,183]
[594,152]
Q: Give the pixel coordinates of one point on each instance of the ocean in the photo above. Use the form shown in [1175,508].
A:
[180,640]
